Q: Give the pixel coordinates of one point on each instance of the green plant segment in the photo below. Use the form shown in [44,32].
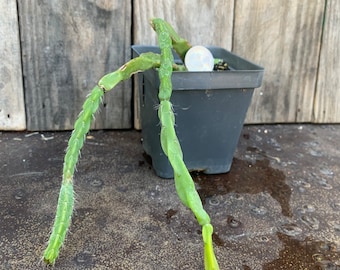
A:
[184,184]
[185,187]
[76,142]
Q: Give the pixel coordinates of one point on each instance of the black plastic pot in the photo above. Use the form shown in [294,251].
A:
[210,108]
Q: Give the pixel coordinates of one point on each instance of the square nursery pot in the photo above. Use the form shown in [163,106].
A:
[210,108]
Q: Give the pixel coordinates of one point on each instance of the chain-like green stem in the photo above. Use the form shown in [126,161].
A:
[185,186]
[81,127]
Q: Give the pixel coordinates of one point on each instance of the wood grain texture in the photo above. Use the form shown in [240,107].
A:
[201,22]
[284,37]
[12,108]
[327,98]
[67,46]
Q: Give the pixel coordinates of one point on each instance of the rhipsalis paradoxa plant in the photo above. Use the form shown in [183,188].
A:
[164,62]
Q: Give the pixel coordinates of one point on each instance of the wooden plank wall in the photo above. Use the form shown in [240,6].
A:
[12,109]
[285,38]
[327,97]
[66,46]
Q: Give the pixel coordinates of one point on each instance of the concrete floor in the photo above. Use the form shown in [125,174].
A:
[278,207]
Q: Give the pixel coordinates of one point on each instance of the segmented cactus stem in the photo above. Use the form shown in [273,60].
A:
[185,186]
[81,127]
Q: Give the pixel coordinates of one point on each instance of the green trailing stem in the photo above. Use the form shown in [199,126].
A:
[66,196]
[62,222]
[210,262]
[185,186]
[180,45]
[76,142]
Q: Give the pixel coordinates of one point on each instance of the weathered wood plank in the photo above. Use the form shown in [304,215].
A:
[12,108]
[67,46]
[327,98]
[211,23]
[284,37]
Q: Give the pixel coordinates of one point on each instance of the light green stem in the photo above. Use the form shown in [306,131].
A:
[185,186]
[62,222]
[81,127]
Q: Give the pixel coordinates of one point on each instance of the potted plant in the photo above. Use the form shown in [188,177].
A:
[162,64]
[210,110]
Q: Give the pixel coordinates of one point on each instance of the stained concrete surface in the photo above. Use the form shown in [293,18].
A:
[278,207]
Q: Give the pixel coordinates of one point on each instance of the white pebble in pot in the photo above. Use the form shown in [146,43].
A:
[199,58]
